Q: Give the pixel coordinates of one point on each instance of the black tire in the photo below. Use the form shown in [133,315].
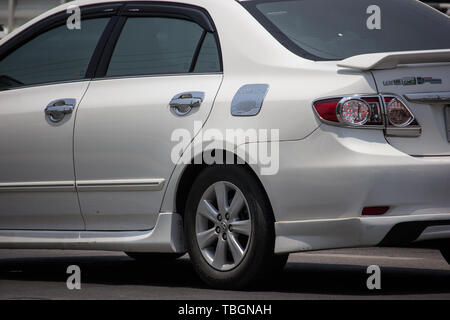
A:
[146,257]
[259,259]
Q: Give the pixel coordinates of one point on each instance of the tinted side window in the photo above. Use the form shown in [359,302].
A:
[59,54]
[153,45]
[208,59]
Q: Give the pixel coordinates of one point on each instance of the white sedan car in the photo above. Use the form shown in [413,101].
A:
[237,131]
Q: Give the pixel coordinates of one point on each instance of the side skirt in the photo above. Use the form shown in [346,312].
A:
[167,236]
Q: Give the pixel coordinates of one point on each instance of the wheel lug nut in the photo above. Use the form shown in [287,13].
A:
[230,227]
[219,217]
[224,236]
[227,216]
[218,229]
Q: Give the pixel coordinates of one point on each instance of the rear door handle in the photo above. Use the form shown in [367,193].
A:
[183,103]
[57,109]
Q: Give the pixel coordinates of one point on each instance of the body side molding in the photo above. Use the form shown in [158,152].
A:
[84,186]
[429,97]
[120,185]
[50,186]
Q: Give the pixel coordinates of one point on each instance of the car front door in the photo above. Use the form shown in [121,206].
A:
[42,81]
[158,55]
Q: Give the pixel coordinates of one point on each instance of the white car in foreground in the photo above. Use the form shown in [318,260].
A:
[106,127]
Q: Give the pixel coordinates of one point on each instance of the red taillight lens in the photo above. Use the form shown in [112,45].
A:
[326,109]
[374,211]
[352,111]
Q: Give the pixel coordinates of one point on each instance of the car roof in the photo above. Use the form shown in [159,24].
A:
[207,4]
[249,46]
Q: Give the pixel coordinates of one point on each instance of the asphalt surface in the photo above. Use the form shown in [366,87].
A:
[333,274]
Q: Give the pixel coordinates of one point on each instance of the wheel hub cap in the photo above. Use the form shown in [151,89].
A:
[223,226]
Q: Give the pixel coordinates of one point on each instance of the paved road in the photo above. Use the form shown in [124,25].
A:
[334,274]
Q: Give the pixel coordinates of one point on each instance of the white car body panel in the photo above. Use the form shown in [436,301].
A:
[328,199]
[319,165]
[433,139]
[36,166]
[344,233]
[117,139]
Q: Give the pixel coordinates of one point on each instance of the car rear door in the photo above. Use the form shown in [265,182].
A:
[43,77]
[160,72]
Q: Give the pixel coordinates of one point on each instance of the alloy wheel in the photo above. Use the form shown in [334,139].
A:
[223,226]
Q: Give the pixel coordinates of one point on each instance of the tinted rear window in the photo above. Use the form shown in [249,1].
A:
[153,45]
[338,29]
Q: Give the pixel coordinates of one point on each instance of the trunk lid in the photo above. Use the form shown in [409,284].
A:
[422,80]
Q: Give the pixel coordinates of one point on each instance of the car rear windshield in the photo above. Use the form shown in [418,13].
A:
[338,29]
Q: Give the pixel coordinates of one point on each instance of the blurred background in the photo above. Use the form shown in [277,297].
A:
[14,13]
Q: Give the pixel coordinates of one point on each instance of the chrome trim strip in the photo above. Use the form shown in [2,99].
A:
[413,131]
[120,185]
[85,185]
[447,121]
[429,97]
[159,75]
[52,186]
[45,84]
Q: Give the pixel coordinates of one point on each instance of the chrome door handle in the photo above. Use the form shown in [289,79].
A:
[57,110]
[184,102]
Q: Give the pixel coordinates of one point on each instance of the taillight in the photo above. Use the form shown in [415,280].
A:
[373,211]
[379,112]
[326,109]
[353,111]
[398,113]
[400,121]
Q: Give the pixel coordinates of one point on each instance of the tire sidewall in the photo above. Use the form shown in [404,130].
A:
[261,246]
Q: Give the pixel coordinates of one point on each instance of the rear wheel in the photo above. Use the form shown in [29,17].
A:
[229,228]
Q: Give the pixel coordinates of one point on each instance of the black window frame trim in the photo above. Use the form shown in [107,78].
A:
[56,20]
[159,9]
[197,51]
[118,12]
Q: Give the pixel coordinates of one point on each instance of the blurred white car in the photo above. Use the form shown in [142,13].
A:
[359,108]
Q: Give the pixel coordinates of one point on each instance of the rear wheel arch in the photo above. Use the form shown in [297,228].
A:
[192,171]
[230,248]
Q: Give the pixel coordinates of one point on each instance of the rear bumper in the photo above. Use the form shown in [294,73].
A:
[296,236]
[325,180]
